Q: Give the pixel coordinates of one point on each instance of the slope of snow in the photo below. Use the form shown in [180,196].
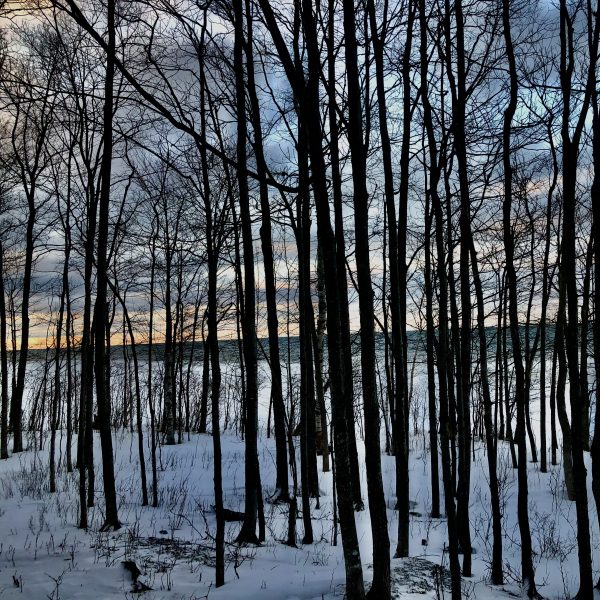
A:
[44,555]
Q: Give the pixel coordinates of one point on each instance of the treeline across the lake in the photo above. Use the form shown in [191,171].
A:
[180,179]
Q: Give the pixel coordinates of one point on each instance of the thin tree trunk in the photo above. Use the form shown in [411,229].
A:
[55,407]
[527,571]
[459,101]
[340,257]
[69,359]
[397,259]
[190,366]
[213,341]
[402,396]
[138,394]
[444,366]
[168,420]
[306,383]
[318,351]
[247,533]
[205,382]
[571,138]
[3,362]
[150,386]
[497,576]
[281,481]
[585,326]
[16,405]
[380,587]
[553,436]
[595,194]
[430,345]
[544,311]
[111,521]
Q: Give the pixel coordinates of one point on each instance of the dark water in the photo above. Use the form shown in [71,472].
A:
[290,347]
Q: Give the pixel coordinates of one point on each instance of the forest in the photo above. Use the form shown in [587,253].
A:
[298,299]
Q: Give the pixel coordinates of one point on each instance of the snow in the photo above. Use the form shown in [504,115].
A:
[44,555]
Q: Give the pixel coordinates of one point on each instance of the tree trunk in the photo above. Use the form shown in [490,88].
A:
[339,249]
[595,194]
[403,202]
[306,380]
[111,521]
[430,345]
[138,393]
[248,532]
[585,326]
[281,482]
[205,382]
[497,576]
[397,262]
[459,101]
[3,362]
[16,404]
[527,571]
[318,352]
[168,416]
[444,366]
[568,273]
[543,316]
[212,348]
[150,386]
[55,406]
[377,508]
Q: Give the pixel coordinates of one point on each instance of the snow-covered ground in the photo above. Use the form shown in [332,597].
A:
[44,555]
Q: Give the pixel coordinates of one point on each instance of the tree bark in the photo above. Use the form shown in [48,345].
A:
[568,273]
[111,521]
[248,532]
[3,363]
[266,237]
[527,571]
[381,554]
[444,367]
